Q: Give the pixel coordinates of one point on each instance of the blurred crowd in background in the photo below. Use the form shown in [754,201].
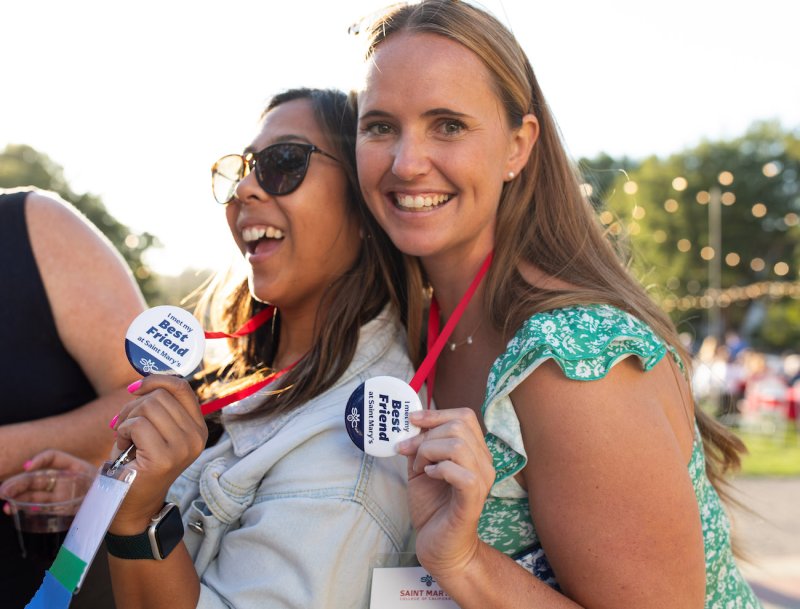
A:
[746,388]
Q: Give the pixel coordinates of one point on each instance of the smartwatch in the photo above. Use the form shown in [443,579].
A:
[164,532]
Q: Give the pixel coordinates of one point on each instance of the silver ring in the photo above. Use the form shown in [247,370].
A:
[51,484]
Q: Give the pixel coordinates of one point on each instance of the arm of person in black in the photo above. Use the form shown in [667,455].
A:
[92,298]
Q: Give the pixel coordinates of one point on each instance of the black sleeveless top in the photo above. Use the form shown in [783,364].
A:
[38,376]
[39,379]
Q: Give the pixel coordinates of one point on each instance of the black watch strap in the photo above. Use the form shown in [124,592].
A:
[156,542]
[129,546]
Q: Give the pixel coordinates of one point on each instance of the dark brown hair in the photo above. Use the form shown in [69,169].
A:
[349,302]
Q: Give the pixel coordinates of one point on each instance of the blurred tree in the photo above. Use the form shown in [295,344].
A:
[781,328]
[180,290]
[662,207]
[22,166]
[601,174]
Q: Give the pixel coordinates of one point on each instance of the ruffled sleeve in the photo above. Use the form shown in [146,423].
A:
[585,341]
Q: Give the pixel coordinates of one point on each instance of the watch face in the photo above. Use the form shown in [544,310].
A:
[167,532]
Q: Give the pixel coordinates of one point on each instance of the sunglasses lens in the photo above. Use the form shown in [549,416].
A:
[282,167]
[225,176]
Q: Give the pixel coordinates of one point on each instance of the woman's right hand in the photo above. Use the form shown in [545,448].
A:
[450,473]
[165,424]
[58,459]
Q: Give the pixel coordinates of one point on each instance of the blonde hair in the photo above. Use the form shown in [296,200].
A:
[543,218]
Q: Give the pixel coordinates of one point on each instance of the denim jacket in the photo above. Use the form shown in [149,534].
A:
[287,512]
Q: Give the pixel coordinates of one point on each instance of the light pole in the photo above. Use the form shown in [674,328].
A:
[715,262]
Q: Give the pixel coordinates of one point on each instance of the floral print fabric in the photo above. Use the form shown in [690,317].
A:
[586,342]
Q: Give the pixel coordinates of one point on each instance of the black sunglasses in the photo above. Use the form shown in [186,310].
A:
[279,169]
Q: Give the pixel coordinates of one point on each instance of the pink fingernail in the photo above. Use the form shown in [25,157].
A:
[28,464]
[134,386]
[113,421]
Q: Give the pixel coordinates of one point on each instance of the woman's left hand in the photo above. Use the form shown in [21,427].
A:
[450,472]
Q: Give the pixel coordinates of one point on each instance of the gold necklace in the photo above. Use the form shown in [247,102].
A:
[467,341]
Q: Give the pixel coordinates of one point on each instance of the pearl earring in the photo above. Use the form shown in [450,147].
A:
[510,175]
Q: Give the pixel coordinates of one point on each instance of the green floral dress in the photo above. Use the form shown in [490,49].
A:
[586,341]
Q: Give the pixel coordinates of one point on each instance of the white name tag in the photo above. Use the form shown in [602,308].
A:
[395,588]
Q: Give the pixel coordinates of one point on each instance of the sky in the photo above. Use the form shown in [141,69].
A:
[137,100]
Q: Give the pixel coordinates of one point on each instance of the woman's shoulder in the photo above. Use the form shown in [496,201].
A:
[76,241]
[577,330]
[76,260]
[586,341]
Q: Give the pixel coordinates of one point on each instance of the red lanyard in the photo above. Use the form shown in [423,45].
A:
[436,341]
[251,325]
[220,403]
[425,373]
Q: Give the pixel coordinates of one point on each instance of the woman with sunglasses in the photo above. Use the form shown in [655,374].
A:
[565,434]
[281,510]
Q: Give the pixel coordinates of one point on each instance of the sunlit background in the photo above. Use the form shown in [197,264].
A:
[137,100]
[685,116]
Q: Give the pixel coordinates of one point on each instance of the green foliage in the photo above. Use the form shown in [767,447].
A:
[781,327]
[661,206]
[22,166]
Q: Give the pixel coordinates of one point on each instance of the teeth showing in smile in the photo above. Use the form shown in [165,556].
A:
[420,201]
[254,233]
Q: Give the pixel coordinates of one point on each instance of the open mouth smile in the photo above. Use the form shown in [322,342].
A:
[254,235]
[420,202]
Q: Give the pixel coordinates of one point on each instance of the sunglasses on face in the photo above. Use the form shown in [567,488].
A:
[279,169]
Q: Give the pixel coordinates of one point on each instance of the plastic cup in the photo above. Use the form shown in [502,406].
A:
[43,504]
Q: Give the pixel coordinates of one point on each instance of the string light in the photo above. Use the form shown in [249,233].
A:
[732,259]
[771,169]
[725,178]
[680,184]
[684,245]
[671,205]
[697,298]
[724,298]
[707,253]
[781,269]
